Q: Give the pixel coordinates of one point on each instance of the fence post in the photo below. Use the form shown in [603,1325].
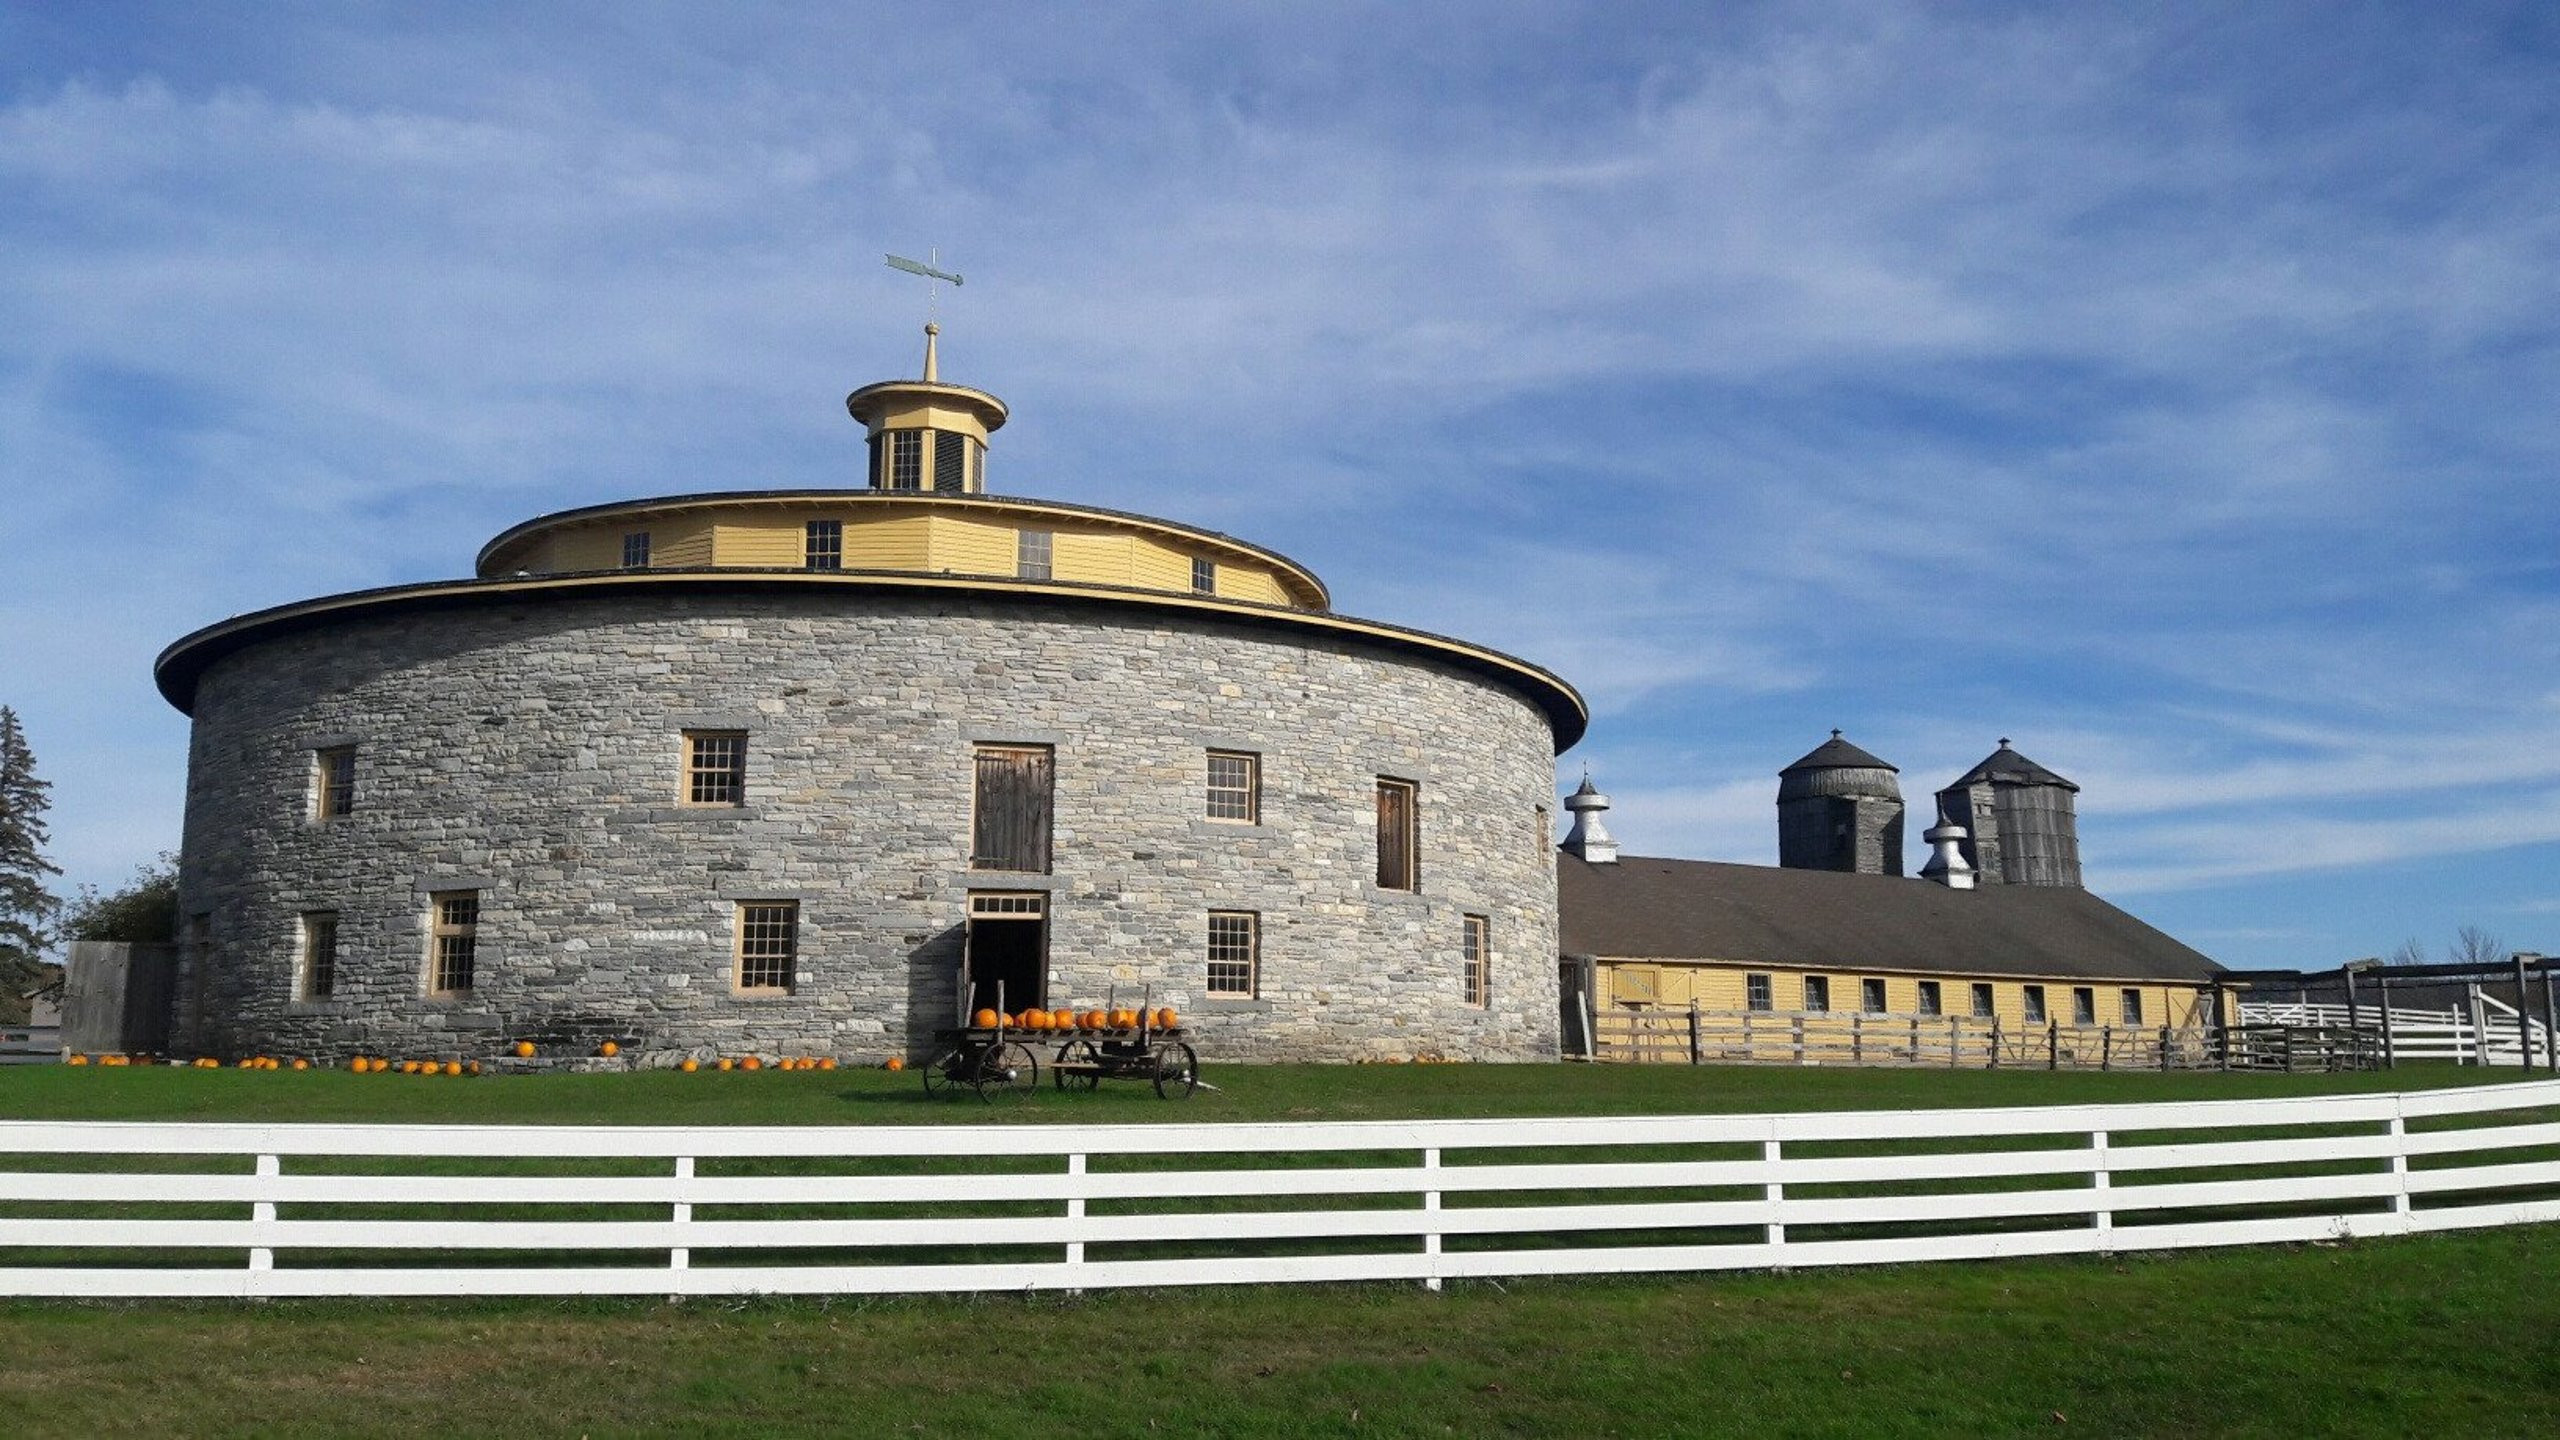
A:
[262,1213]
[2106,1047]
[2550,1020]
[2382,997]
[1431,1221]
[1075,1209]
[2524,1018]
[2053,1044]
[1858,1038]
[2399,1166]
[680,1257]
[1955,1040]
[1798,1029]
[1994,1062]
[1776,1194]
[2099,1182]
[1694,1057]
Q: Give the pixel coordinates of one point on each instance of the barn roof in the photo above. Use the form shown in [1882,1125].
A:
[1836,754]
[2010,767]
[1651,909]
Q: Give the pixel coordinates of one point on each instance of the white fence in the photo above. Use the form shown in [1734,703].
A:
[278,1210]
[2485,1035]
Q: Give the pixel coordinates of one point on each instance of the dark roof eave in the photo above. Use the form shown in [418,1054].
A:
[185,660]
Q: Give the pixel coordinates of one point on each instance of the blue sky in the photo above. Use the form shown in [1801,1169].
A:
[2168,387]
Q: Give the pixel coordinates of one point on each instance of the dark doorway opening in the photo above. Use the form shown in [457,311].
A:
[1006,963]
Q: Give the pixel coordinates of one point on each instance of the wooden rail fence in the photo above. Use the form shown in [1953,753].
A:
[1708,1037]
[128,1209]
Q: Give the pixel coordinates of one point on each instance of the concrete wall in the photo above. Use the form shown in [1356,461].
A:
[532,752]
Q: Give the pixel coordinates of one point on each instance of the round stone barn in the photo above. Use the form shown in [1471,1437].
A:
[815,772]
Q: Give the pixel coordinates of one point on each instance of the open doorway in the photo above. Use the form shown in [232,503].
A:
[1004,964]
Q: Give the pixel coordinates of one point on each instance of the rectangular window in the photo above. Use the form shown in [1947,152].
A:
[906,459]
[1031,551]
[768,945]
[453,949]
[1016,786]
[1871,996]
[715,767]
[871,467]
[1931,1002]
[319,967]
[950,462]
[1982,1002]
[2129,1004]
[1204,576]
[2032,997]
[1234,953]
[2084,1005]
[1235,786]
[1817,993]
[1399,866]
[1479,960]
[1545,831]
[1756,994]
[825,547]
[635,550]
[333,783]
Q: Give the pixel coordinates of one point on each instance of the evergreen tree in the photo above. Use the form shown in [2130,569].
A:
[26,906]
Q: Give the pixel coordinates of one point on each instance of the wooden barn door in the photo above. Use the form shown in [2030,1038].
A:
[1011,828]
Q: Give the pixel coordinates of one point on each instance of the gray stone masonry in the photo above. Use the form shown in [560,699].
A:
[532,752]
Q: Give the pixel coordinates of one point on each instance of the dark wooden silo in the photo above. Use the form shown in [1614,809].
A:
[2024,828]
[1840,808]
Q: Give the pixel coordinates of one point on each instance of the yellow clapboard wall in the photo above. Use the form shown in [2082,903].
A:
[1725,988]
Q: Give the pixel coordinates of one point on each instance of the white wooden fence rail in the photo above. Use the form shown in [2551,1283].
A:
[1115,1205]
[2487,1038]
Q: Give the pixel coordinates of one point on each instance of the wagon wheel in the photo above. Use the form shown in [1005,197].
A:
[943,1071]
[1078,1053]
[1177,1071]
[1007,1069]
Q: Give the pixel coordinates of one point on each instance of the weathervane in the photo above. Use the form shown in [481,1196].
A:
[927,268]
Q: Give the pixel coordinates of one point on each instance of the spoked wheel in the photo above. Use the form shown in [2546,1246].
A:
[942,1071]
[1085,1075]
[1008,1069]
[1177,1070]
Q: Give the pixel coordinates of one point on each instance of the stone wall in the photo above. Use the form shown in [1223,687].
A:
[531,751]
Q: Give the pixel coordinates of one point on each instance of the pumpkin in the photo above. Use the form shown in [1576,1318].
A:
[752,1062]
[608,1049]
[78,1060]
[524,1049]
[1166,1019]
[829,1063]
[985,1019]
[1124,1019]
[897,1062]
[727,1063]
[301,1064]
[689,1065]
[453,1067]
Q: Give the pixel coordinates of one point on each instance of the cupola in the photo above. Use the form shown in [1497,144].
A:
[1840,808]
[925,435]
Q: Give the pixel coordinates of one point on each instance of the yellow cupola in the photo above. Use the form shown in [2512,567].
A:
[925,435]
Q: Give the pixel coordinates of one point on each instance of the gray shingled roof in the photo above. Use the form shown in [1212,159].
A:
[2007,764]
[1837,754]
[1643,908]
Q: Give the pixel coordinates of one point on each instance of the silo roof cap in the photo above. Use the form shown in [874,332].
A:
[1838,754]
[2005,766]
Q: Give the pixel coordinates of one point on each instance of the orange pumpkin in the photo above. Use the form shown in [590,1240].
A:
[524,1049]
[453,1067]
[897,1062]
[727,1064]
[1124,1019]
[752,1062]
[985,1019]
[689,1065]
[608,1049]
[1166,1019]
[828,1063]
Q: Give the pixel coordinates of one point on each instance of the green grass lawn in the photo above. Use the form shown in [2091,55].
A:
[2442,1335]
[1245,1092]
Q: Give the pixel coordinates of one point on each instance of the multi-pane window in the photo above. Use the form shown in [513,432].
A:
[1204,575]
[1016,788]
[1234,953]
[1756,993]
[453,941]
[768,944]
[1931,1002]
[1031,554]
[1235,786]
[2032,998]
[319,967]
[824,548]
[715,767]
[2084,1005]
[635,550]
[2130,1006]
[950,462]
[333,782]
[906,459]
[1479,960]
[1399,866]
[1871,996]
[1817,993]
[1982,1002]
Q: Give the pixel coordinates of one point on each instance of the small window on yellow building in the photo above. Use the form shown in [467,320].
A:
[2131,1006]
[1982,1008]
[635,550]
[1817,994]
[1930,1000]
[1204,576]
[2031,997]
[824,545]
[906,459]
[1031,554]
[2084,1005]
[1871,996]
[1756,994]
